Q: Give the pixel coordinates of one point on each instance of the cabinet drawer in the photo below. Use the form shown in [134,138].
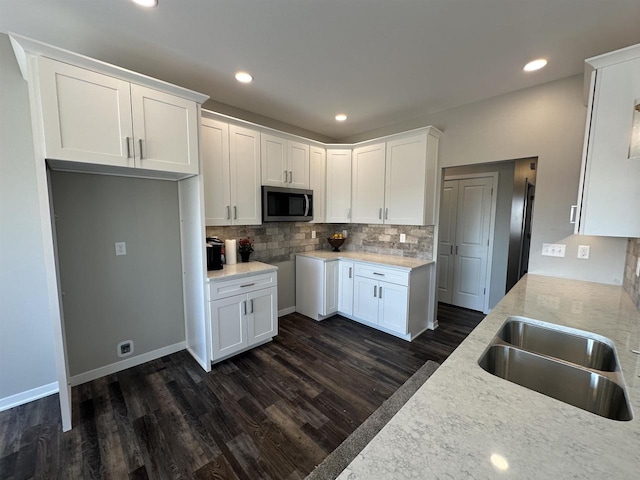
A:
[226,288]
[384,274]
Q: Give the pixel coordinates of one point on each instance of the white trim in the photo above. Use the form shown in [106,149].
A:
[286,311]
[29,396]
[124,364]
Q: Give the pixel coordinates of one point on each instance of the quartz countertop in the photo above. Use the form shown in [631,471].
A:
[404,263]
[462,415]
[239,270]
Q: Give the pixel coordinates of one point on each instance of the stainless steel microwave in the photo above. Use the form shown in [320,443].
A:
[286,204]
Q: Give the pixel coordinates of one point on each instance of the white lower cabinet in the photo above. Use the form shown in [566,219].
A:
[394,300]
[240,321]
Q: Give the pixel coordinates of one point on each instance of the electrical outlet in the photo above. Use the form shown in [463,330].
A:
[344,234]
[403,238]
[583,251]
[121,248]
[124,349]
[553,249]
[638,268]
[313,234]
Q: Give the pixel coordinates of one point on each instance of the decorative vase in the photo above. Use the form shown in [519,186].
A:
[245,256]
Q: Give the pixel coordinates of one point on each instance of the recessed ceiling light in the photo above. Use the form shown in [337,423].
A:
[146,3]
[534,65]
[341,117]
[244,77]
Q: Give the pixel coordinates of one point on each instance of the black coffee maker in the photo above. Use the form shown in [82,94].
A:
[214,253]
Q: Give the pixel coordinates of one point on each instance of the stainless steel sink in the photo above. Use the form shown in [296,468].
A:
[573,368]
[579,387]
[580,350]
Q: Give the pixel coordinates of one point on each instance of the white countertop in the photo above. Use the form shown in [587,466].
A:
[239,270]
[405,263]
[463,415]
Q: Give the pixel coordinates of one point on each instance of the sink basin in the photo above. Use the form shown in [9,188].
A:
[580,350]
[576,386]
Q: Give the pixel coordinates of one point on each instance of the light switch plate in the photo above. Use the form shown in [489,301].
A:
[121,248]
[638,268]
[313,234]
[553,249]
[403,237]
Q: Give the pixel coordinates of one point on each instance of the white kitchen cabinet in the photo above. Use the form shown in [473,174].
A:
[338,186]
[285,163]
[609,196]
[316,287]
[345,286]
[93,118]
[231,189]
[368,202]
[317,181]
[243,312]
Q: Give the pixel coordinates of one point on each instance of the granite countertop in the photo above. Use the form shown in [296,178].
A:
[463,415]
[404,263]
[239,270]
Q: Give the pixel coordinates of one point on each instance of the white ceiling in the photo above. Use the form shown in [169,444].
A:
[379,61]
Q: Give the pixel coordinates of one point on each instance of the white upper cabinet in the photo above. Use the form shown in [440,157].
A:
[609,195]
[90,117]
[338,186]
[317,181]
[368,184]
[285,163]
[231,169]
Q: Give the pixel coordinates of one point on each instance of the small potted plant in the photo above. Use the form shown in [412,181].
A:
[245,248]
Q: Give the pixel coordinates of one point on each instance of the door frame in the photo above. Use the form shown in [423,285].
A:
[492,226]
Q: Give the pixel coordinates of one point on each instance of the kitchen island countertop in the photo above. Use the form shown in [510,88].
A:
[466,423]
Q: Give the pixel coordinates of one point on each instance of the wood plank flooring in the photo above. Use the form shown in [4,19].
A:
[274,412]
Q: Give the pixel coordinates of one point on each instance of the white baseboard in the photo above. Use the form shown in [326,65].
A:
[286,311]
[29,396]
[124,364]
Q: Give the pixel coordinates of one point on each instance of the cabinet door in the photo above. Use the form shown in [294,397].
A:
[244,151]
[345,291]
[262,315]
[393,307]
[405,180]
[447,240]
[331,288]
[215,170]
[365,299]
[228,326]
[86,115]
[317,181]
[298,156]
[166,131]
[338,186]
[367,197]
[275,169]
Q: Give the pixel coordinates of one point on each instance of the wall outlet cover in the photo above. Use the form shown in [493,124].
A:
[583,251]
[403,237]
[313,234]
[121,248]
[638,268]
[344,233]
[125,348]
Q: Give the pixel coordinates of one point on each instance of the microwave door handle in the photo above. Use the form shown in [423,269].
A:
[306,205]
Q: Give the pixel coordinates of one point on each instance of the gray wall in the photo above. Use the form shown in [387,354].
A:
[26,335]
[109,298]
[546,122]
[503,219]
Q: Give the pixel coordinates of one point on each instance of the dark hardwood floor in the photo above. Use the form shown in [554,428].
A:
[274,412]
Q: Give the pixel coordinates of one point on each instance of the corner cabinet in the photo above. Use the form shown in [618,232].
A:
[231,169]
[608,197]
[243,312]
[318,181]
[90,117]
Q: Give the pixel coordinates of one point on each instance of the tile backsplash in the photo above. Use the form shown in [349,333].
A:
[631,283]
[280,241]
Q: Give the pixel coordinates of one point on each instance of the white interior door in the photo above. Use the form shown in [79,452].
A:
[473,225]
[447,240]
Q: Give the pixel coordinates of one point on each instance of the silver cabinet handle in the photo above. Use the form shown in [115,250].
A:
[235,212]
[349,272]
[380,296]
[244,308]
[251,304]
[348,213]
[247,285]
[381,274]
[128,147]
[140,143]
[451,252]
[386,213]
[306,205]
[375,290]
[228,212]
[380,213]
[285,176]
[456,249]
[290,176]
[572,213]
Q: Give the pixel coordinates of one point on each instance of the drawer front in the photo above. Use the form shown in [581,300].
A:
[227,288]
[384,274]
